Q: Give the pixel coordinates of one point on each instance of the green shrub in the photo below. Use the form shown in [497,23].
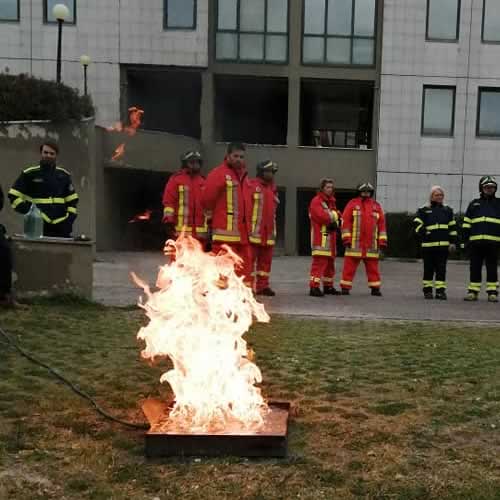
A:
[23,97]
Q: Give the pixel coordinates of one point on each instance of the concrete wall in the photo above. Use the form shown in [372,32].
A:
[111,32]
[19,147]
[408,164]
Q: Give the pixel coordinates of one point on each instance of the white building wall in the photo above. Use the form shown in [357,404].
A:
[408,163]
[111,32]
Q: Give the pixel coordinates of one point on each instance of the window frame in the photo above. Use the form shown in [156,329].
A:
[452,130]
[457,28]
[194,26]
[480,90]
[352,37]
[46,19]
[484,40]
[264,33]
[17,19]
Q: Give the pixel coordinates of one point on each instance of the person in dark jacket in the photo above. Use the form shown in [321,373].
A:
[481,234]
[49,186]
[436,227]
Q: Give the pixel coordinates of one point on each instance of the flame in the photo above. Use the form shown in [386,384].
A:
[135,115]
[198,319]
[146,215]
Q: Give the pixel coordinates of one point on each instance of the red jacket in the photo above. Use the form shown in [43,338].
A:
[323,211]
[264,201]
[226,195]
[182,204]
[363,228]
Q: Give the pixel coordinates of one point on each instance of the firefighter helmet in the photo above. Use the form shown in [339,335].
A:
[487,180]
[365,186]
[266,166]
[191,156]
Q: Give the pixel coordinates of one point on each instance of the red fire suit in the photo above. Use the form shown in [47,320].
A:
[262,229]
[182,204]
[226,196]
[322,212]
[364,234]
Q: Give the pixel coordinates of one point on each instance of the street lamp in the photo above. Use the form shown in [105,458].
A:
[61,13]
[85,61]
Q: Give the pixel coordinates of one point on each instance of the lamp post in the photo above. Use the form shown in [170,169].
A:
[61,13]
[85,61]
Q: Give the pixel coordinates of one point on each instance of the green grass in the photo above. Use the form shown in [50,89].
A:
[380,410]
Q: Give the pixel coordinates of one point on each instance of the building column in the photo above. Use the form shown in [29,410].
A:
[207,108]
[291,220]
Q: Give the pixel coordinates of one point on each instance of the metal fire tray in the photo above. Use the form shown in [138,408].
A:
[165,440]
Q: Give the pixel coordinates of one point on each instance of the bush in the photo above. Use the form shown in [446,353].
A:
[401,236]
[23,97]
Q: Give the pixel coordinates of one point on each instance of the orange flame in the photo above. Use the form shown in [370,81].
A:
[146,215]
[119,152]
[135,115]
[198,319]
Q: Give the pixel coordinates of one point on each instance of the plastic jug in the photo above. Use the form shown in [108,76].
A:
[33,223]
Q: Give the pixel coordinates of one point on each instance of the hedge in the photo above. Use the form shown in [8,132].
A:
[24,97]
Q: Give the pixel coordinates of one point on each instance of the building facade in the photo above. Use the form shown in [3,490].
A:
[440,100]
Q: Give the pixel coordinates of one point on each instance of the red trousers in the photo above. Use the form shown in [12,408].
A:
[322,268]
[262,258]
[350,266]
[243,251]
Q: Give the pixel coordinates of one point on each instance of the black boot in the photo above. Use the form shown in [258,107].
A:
[268,292]
[316,292]
[376,292]
[345,291]
[330,290]
[428,293]
[441,294]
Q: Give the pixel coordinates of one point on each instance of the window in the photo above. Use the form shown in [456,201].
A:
[180,14]
[48,5]
[491,21]
[9,10]
[438,111]
[488,112]
[252,31]
[443,20]
[339,32]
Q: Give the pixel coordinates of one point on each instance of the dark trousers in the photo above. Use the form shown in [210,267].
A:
[435,260]
[62,230]
[5,265]
[483,252]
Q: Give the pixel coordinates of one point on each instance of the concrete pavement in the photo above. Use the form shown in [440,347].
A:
[401,288]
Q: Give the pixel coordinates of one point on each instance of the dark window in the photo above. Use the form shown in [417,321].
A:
[180,14]
[443,20]
[9,10]
[49,5]
[488,112]
[438,110]
[339,32]
[491,21]
[252,30]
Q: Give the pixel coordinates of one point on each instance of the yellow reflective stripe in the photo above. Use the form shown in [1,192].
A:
[355,223]
[222,237]
[466,225]
[427,283]
[344,282]
[383,236]
[254,239]
[17,202]
[255,211]
[346,233]
[374,283]
[71,197]
[453,233]
[169,210]
[475,287]
[263,273]
[30,169]
[485,237]
[270,242]
[63,170]
[324,236]
[492,286]
[418,219]
[493,220]
[435,244]
[61,219]
[372,255]
[452,223]
[15,192]
[436,226]
[72,210]
[229,204]
[322,253]
[180,213]
[467,219]
[353,253]
[48,201]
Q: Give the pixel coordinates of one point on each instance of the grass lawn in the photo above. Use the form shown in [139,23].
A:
[382,410]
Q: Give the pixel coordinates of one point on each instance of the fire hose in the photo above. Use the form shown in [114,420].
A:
[12,344]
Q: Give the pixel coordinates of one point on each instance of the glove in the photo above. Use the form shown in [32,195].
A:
[347,244]
[331,227]
[452,248]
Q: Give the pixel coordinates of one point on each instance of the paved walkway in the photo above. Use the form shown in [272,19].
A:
[401,288]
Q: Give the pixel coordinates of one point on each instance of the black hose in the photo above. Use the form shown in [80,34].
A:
[14,345]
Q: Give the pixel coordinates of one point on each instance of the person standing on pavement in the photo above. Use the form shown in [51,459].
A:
[325,220]
[436,227]
[50,188]
[183,210]
[364,236]
[481,234]
[262,233]
[226,197]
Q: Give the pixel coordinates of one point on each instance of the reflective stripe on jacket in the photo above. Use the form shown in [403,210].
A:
[264,201]
[482,220]
[323,211]
[435,225]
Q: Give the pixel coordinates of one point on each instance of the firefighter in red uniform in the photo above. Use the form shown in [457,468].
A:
[226,197]
[183,210]
[364,235]
[324,223]
[262,232]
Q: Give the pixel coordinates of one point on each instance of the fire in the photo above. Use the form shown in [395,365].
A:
[135,115]
[146,215]
[198,319]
